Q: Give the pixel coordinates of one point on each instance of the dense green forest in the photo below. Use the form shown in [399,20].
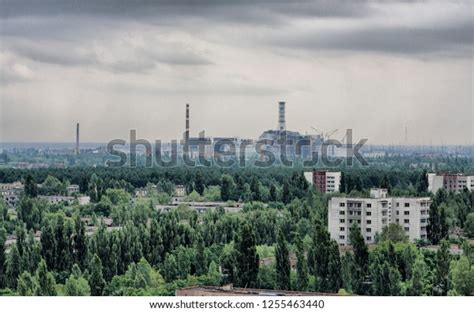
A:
[146,252]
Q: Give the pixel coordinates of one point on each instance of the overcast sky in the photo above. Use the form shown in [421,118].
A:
[373,66]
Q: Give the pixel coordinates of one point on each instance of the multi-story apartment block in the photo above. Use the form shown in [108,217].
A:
[374,213]
[324,181]
[451,182]
[10,192]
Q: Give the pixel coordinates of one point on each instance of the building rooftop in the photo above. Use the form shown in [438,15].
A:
[229,290]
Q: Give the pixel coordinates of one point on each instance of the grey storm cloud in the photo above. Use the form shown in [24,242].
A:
[76,53]
[263,10]
[137,61]
[62,20]
[443,39]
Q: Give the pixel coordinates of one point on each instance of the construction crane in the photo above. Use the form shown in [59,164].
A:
[324,135]
[330,133]
[317,131]
[344,138]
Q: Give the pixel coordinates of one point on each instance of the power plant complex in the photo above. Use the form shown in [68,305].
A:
[279,141]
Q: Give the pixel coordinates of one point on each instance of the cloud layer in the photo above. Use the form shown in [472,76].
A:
[137,62]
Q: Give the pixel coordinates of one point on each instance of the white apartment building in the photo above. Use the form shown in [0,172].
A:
[309,177]
[374,213]
[324,181]
[10,192]
[333,182]
[435,182]
[451,182]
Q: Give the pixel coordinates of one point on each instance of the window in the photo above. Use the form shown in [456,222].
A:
[342,229]
[342,221]
[369,238]
[406,213]
[398,212]
[368,213]
[350,221]
[407,205]
[369,205]
[406,221]
[369,221]
[358,221]
[407,229]
[342,237]
[368,230]
[342,212]
[351,213]
[384,213]
[359,213]
[397,220]
[398,205]
[342,204]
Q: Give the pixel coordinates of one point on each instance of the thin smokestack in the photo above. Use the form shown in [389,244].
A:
[281,116]
[186,136]
[77,139]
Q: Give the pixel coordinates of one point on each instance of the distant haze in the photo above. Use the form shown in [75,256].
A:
[377,67]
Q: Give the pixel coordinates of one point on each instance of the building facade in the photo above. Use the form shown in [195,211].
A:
[72,189]
[69,200]
[451,182]
[324,181]
[10,192]
[374,213]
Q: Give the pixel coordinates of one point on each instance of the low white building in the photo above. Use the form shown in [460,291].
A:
[72,189]
[57,199]
[374,213]
[199,207]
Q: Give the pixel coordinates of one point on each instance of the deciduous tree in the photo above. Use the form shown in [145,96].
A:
[283,267]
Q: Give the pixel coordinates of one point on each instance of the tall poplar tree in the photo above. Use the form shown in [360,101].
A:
[443,260]
[46,283]
[247,261]
[301,266]
[3,239]
[361,260]
[96,277]
[283,268]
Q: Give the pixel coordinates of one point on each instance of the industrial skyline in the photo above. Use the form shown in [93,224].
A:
[281,126]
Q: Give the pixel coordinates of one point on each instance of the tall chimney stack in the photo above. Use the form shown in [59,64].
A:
[281,116]
[77,139]
[186,135]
